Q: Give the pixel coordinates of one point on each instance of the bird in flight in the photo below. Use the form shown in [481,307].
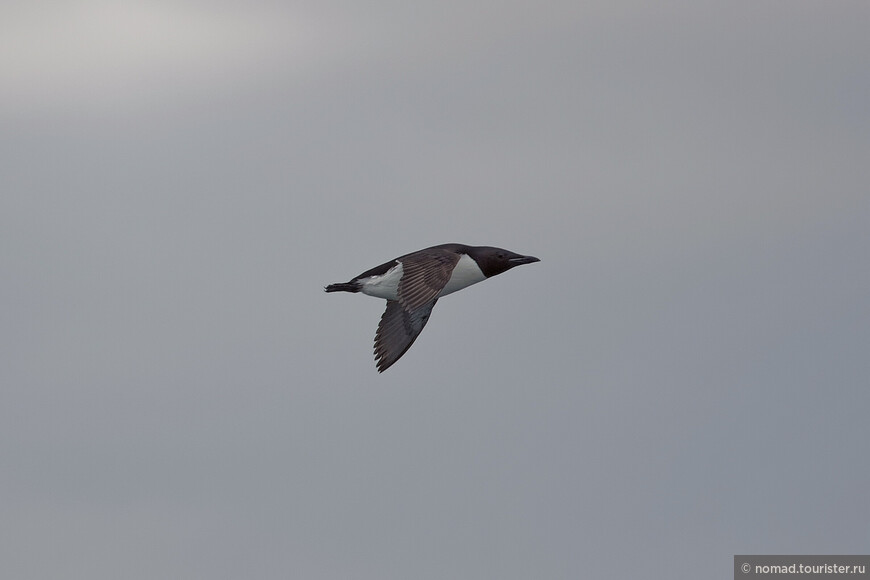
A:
[413,283]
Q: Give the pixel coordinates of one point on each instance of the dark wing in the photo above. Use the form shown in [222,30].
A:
[424,275]
[398,330]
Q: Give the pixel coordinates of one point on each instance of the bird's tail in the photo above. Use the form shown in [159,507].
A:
[342,287]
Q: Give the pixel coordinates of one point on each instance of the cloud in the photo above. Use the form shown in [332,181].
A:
[100,53]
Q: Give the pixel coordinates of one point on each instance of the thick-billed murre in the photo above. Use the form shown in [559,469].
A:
[413,283]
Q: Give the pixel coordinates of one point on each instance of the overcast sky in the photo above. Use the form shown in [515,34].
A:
[684,376]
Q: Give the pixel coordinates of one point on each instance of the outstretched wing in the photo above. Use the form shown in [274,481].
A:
[397,331]
[424,275]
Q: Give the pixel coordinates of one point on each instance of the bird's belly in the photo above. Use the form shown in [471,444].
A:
[465,273]
[386,286]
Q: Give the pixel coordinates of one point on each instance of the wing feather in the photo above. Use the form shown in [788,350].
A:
[424,275]
[398,330]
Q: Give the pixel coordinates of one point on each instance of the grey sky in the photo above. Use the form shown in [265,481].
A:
[683,377]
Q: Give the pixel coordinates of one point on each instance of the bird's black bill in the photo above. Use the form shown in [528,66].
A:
[519,260]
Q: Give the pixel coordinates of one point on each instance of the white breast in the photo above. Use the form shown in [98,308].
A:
[465,273]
